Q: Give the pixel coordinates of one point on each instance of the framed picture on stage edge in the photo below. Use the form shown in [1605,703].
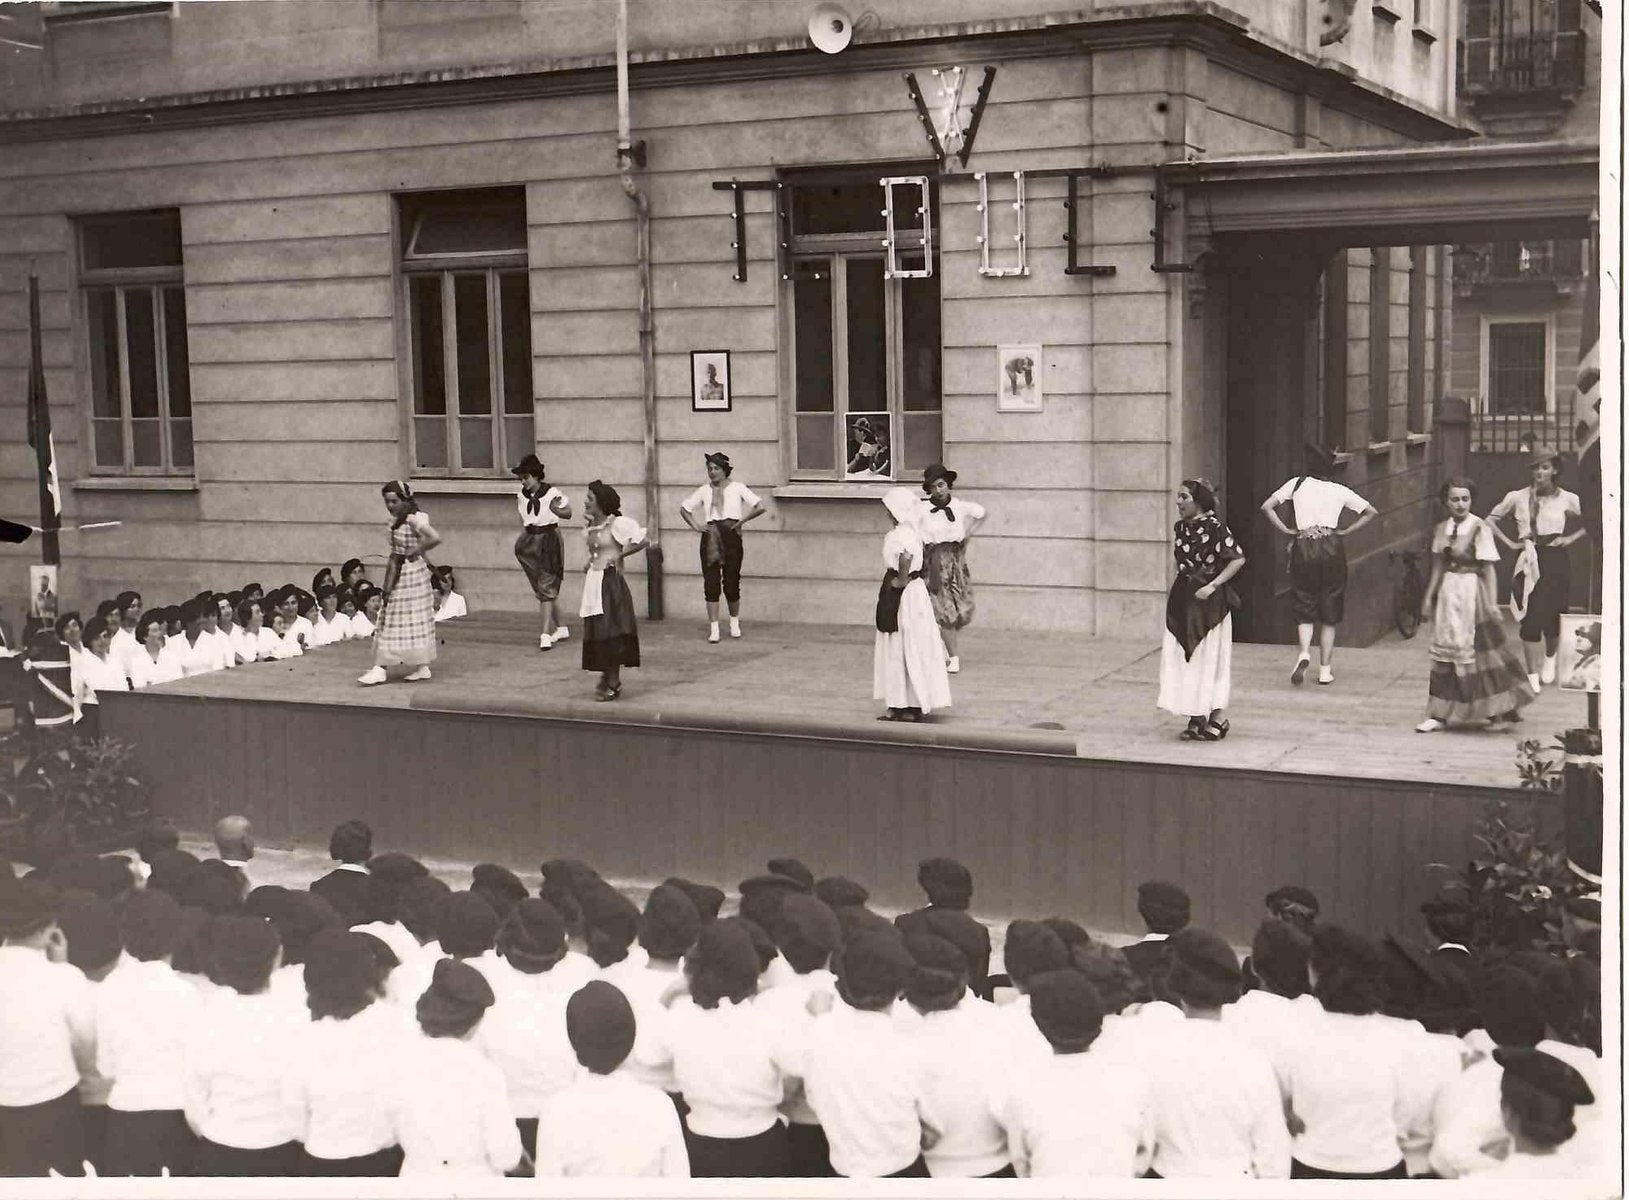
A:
[709,381]
[1019,387]
[1578,654]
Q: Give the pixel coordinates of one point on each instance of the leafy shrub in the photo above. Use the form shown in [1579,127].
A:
[57,797]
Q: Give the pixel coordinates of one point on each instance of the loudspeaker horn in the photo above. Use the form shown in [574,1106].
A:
[830,28]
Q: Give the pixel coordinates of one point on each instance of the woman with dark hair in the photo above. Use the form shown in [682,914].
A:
[1196,657]
[539,549]
[1548,519]
[97,670]
[718,510]
[1538,1096]
[406,634]
[323,578]
[1475,676]
[353,574]
[1347,1084]
[947,523]
[610,632]
[340,1073]
[150,664]
[329,625]
[449,604]
[125,642]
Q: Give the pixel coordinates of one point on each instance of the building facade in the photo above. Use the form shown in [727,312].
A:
[289,251]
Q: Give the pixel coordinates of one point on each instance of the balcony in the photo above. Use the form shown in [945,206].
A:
[1556,266]
[1507,66]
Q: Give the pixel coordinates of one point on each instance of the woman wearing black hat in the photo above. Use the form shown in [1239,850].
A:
[610,632]
[1196,657]
[406,634]
[1318,555]
[718,510]
[538,548]
[947,523]
[1548,520]
[1538,1095]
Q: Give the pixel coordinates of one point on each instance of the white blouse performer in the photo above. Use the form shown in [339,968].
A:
[949,524]
[144,671]
[737,500]
[545,514]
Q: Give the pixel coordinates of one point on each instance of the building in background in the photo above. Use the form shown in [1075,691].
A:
[289,251]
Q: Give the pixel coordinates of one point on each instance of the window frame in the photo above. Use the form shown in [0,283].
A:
[492,266]
[121,281]
[839,249]
[1484,408]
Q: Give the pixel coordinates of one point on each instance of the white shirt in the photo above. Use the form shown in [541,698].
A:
[47,1027]
[902,540]
[245,645]
[401,942]
[1082,1116]
[947,524]
[123,647]
[301,629]
[524,1034]
[287,646]
[1348,1085]
[545,514]
[361,627]
[1467,1115]
[451,1112]
[787,1004]
[145,671]
[610,1126]
[418,966]
[1553,511]
[862,1080]
[100,675]
[961,1060]
[325,631]
[1271,1023]
[724,1063]
[737,500]
[452,606]
[341,1078]
[644,987]
[221,640]
[236,1061]
[145,1016]
[1218,1113]
[1318,503]
[194,658]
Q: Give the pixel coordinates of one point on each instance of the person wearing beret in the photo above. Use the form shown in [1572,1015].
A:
[947,523]
[1538,1096]
[1165,909]
[1030,949]
[1548,520]
[405,636]
[949,888]
[1317,555]
[125,642]
[665,930]
[607,1123]
[610,630]
[908,672]
[47,1035]
[718,510]
[538,549]
[1196,656]
[451,1107]
[328,624]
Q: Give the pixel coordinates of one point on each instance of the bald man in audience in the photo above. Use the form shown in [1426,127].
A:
[235,843]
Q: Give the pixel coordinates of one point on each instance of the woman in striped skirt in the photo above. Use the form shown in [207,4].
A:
[406,634]
[610,632]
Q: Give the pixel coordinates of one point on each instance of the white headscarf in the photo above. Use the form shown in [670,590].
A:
[902,504]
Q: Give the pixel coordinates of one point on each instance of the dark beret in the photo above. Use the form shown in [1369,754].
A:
[610,912]
[396,868]
[761,897]
[572,874]
[1066,1009]
[1070,933]
[150,924]
[498,886]
[301,916]
[1281,899]
[532,930]
[1544,1072]
[268,900]
[215,887]
[841,892]
[467,925]
[418,907]
[956,925]
[170,871]
[726,947]
[856,920]
[1032,949]
[1511,1008]
[935,953]
[1163,906]
[793,869]
[600,1024]
[1205,954]
[457,996]
[91,925]
[707,898]
[340,963]
[945,881]
[669,924]
[873,968]
[240,946]
[808,922]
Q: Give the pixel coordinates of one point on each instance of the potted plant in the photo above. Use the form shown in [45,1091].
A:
[69,795]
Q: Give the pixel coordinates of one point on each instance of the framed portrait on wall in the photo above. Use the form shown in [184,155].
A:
[1019,386]
[868,446]
[42,593]
[709,381]
[1578,653]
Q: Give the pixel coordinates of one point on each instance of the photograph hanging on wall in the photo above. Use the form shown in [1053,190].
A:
[866,445]
[710,381]
[1578,654]
[1019,387]
[42,592]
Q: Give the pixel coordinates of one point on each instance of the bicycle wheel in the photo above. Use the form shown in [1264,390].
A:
[1405,612]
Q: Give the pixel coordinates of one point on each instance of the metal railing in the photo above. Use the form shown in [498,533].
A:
[1512,63]
[1514,433]
[1558,261]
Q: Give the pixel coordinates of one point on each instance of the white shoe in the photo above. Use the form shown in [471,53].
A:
[561,633]
[1326,675]
[544,641]
[712,633]
[1547,675]
[1430,725]
[735,628]
[1534,682]
[418,676]
[374,676]
[954,666]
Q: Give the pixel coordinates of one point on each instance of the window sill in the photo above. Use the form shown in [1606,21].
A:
[1377,448]
[834,490]
[1424,36]
[1384,12]
[135,483]
[1419,439]
[463,487]
[1342,457]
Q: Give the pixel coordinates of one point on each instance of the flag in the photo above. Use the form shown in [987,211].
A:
[39,430]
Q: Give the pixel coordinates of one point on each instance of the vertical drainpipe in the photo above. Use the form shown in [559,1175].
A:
[630,155]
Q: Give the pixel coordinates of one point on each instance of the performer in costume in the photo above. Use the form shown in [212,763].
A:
[610,632]
[1196,659]
[946,524]
[538,548]
[1475,675]
[406,635]
[1548,520]
[718,510]
[1318,555]
[908,663]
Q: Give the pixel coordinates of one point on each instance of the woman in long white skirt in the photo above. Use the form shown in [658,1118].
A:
[908,668]
[1196,659]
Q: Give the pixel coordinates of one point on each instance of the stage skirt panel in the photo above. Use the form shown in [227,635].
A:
[406,636]
[542,557]
[1197,685]
[949,583]
[1475,671]
[611,635]
[908,667]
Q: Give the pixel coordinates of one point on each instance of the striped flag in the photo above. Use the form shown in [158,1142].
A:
[39,431]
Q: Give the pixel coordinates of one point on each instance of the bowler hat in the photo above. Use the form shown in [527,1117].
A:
[528,466]
[937,471]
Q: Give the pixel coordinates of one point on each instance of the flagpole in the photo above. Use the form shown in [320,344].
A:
[39,431]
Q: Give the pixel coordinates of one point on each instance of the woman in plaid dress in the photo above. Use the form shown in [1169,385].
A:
[406,634]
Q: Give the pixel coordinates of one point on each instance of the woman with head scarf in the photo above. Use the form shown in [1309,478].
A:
[908,664]
[406,634]
[1196,659]
[610,632]
[538,549]
[718,510]
[1547,519]
[947,524]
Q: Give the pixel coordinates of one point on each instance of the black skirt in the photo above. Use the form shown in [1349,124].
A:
[381,1164]
[761,1156]
[611,640]
[143,1144]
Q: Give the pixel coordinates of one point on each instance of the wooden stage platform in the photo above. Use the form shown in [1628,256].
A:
[1053,777]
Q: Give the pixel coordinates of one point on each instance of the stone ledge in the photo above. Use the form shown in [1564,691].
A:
[135,483]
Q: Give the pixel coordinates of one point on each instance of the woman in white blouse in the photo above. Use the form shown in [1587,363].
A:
[96,670]
[1547,519]
[149,664]
[718,510]
[539,549]
[246,633]
[329,625]
[610,632]
[947,524]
